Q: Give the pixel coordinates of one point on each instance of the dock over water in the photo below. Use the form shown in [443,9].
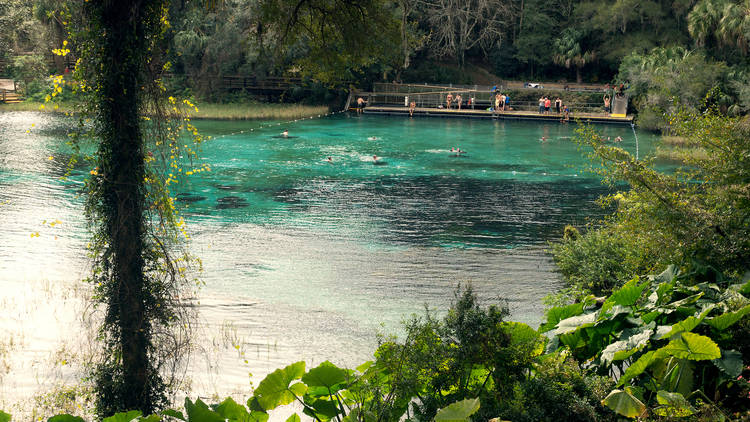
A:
[585,102]
[485,114]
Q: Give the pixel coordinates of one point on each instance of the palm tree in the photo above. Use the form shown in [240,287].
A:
[703,20]
[734,27]
[568,51]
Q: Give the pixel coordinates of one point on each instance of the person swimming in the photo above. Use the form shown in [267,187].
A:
[372,138]
[457,151]
[284,134]
[329,159]
[377,162]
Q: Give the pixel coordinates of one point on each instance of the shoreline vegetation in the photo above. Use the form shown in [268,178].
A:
[216,111]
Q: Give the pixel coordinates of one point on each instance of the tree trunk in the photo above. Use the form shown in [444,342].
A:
[122,162]
[578,74]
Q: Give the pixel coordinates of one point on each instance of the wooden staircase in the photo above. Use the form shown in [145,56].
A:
[8,91]
[9,97]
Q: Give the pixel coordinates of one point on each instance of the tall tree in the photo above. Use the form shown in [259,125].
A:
[334,39]
[460,25]
[116,44]
[568,51]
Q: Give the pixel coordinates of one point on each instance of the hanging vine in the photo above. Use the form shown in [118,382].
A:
[139,143]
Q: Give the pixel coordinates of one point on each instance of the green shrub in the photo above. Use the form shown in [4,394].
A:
[560,391]
[470,353]
[599,261]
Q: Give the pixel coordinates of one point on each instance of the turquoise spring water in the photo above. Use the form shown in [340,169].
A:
[305,257]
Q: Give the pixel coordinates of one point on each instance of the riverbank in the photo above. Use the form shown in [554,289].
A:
[233,111]
[256,111]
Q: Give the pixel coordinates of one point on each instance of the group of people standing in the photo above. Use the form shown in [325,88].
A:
[545,104]
[500,101]
[450,99]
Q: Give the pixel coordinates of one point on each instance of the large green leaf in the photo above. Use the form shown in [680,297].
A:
[625,403]
[458,412]
[123,416]
[623,349]
[688,324]
[673,405]
[322,409]
[688,301]
[726,320]
[4,417]
[667,275]
[573,323]
[294,418]
[627,295]
[745,289]
[573,340]
[693,347]
[730,363]
[559,313]
[199,412]
[325,375]
[681,379]
[364,367]
[650,316]
[230,409]
[62,418]
[233,411]
[173,413]
[638,367]
[275,390]
[359,415]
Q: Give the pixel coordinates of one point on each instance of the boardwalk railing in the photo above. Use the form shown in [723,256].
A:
[470,99]
[413,88]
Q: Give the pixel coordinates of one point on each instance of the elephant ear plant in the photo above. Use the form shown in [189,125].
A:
[667,340]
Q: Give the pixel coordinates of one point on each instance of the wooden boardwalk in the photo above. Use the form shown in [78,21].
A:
[484,114]
[8,92]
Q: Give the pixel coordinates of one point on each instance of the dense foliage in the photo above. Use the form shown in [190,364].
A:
[699,213]
[664,52]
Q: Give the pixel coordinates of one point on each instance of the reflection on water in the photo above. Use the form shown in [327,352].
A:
[305,257]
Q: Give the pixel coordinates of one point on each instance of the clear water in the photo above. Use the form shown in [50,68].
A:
[306,258]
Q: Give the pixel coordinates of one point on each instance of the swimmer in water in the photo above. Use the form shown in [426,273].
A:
[372,138]
[329,160]
[544,139]
[285,133]
[374,158]
[618,139]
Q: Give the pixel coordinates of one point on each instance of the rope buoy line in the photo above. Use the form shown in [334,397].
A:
[632,126]
[318,116]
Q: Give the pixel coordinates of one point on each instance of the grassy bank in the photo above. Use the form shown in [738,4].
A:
[256,111]
[679,149]
[236,111]
[34,106]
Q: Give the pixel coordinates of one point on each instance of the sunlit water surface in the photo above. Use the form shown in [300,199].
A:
[304,257]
